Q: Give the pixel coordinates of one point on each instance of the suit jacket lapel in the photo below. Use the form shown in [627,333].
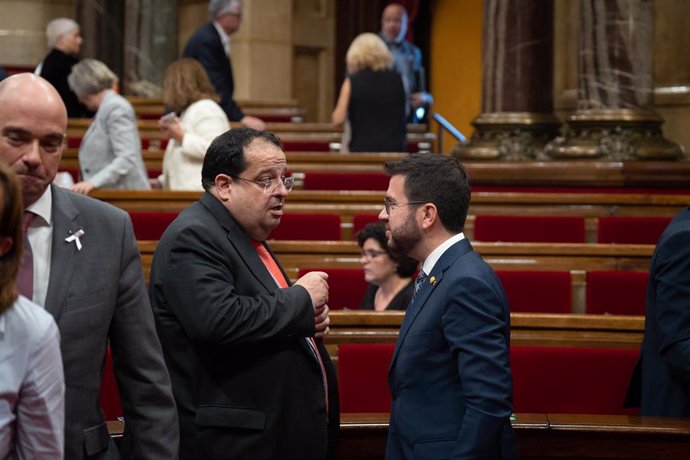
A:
[242,243]
[425,291]
[64,255]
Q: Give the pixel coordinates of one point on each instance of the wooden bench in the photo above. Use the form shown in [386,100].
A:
[548,436]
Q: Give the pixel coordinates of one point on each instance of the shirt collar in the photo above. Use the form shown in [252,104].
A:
[438,252]
[43,207]
[224,38]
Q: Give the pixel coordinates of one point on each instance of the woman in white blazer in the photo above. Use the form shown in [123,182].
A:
[110,152]
[188,91]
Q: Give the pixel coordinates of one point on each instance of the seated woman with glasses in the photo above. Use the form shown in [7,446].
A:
[390,280]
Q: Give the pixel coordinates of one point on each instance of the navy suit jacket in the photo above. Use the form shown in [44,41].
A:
[450,377]
[665,363]
[206,47]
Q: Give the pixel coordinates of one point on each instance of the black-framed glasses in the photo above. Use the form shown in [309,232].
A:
[272,185]
[371,254]
[391,206]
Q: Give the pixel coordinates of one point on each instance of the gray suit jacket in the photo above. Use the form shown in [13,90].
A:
[110,152]
[97,294]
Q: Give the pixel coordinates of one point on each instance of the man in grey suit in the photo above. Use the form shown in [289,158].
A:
[86,270]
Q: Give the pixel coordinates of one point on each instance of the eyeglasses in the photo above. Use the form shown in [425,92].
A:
[391,206]
[272,185]
[371,254]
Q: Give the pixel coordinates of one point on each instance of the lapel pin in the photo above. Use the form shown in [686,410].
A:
[432,280]
[75,237]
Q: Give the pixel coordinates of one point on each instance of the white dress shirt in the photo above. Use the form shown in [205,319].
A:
[40,235]
[224,38]
[439,251]
[32,384]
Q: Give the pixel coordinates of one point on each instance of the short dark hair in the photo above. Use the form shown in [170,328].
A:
[438,179]
[377,231]
[225,155]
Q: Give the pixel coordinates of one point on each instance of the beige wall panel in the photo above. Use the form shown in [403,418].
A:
[313,70]
[22,33]
[262,70]
[191,14]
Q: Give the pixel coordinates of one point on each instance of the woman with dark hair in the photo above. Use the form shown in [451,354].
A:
[390,280]
[32,384]
[188,92]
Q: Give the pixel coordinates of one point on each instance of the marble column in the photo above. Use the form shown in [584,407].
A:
[150,45]
[517,83]
[614,119]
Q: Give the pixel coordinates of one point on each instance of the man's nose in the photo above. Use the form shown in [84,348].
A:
[383,215]
[32,154]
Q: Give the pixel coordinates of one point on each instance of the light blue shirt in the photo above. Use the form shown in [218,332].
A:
[32,387]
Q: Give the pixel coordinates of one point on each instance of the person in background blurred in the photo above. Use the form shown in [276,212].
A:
[210,45]
[390,280]
[407,59]
[32,385]
[372,98]
[64,41]
[110,152]
[188,91]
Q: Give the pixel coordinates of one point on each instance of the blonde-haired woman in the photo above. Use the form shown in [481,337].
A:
[372,98]
[188,91]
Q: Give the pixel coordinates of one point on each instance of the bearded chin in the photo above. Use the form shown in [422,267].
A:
[404,240]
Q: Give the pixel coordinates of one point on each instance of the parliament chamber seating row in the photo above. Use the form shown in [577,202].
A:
[545,379]
[331,226]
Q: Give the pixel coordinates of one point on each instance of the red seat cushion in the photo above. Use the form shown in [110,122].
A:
[359,221]
[306,146]
[150,225]
[363,377]
[308,227]
[616,293]
[346,181]
[631,230]
[537,291]
[346,286]
[530,229]
[571,380]
[73,142]
[110,396]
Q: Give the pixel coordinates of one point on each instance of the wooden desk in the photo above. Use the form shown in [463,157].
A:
[549,436]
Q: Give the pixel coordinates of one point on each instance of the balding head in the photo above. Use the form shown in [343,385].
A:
[394,22]
[33,121]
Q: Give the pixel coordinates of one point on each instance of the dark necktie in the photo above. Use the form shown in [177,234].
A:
[421,277]
[25,277]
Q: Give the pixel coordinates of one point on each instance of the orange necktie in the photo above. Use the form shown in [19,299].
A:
[278,276]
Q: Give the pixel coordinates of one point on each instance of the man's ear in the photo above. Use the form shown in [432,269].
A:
[6,243]
[429,215]
[222,185]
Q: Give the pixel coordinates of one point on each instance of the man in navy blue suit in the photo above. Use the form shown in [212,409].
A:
[449,377]
[664,368]
[210,44]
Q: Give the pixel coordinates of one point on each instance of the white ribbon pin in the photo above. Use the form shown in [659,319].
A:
[75,237]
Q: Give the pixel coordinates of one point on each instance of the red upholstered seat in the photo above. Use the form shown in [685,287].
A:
[530,229]
[110,396]
[537,291]
[346,181]
[73,142]
[363,377]
[571,380]
[631,230]
[346,286]
[616,293]
[150,225]
[306,146]
[359,221]
[308,227]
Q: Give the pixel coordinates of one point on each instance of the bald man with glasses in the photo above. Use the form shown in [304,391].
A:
[250,374]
